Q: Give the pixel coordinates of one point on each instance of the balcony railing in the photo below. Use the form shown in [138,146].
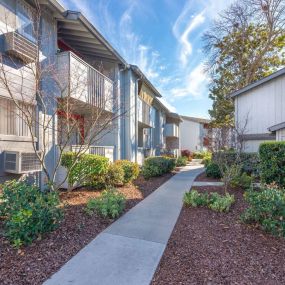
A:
[144,112]
[171,130]
[106,151]
[83,82]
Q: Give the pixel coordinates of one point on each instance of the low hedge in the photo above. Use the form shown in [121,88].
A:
[213,170]
[181,161]
[272,163]
[131,170]
[88,170]
[157,166]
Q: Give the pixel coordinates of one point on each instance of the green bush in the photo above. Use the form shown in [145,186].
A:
[249,161]
[213,170]
[220,203]
[157,166]
[214,201]
[272,162]
[195,199]
[86,170]
[110,204]
[131,170]
[28,212]
[115,175]
[267,208]
[242,180]
[181,161]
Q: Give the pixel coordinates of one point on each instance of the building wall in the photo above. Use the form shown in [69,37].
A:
[280,135]
[191,136]
[262,107]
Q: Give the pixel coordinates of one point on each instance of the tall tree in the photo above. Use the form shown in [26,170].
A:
[246,43]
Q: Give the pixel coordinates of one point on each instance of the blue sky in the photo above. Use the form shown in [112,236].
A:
[162,37]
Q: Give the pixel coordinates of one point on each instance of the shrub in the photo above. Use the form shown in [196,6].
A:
[86,170]
[213,170]
[195,199]
[267,208]
[214,201]
[186,153]
[28,212]
[131,170]
[272,162]
[114,176]
[242,180]
[181,161]
[198,155]
[220,203]
[110,204]
[249,161]
[157,165]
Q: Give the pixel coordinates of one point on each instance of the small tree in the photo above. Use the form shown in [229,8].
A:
[63,106]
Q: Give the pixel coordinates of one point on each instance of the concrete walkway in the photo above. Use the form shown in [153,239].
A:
[129,250]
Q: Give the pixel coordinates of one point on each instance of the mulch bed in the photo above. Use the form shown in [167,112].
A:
[203,178]
[33,264]
[216,248]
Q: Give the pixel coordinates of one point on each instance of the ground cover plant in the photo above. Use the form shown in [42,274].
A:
[110,204]
[214,201]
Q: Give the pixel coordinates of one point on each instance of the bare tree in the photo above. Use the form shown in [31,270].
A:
[222,141]
[64,103]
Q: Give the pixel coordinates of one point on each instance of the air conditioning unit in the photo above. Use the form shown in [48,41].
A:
[20,47]
[19,162]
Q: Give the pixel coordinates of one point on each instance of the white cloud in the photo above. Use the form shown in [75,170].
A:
[170,107]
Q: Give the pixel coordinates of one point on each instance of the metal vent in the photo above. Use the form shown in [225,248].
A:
[11,161]
[20,47]
[30,162]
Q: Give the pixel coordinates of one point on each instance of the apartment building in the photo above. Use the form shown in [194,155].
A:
[114,109]
[260,110]
[195,133]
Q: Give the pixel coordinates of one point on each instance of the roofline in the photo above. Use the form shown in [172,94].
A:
[195,119]
[277,127]
[258,82]
[137,70]
[76,15]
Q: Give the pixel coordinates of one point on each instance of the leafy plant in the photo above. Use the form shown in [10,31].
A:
[181,161]
[87,170]
[241,180]
[214,201]
[131,170]
[213,170]
[186,153]
[157,165]
[28,212]
[115,175]
[110,204]
[220,203]
[195,199]
[267,208]
[272,162]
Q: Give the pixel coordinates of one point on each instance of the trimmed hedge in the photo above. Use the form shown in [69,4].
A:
[157,166]
[131,170]
[213,170]
[272,163]
[88,170]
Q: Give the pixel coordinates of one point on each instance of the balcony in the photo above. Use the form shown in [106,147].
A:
[83,82]
[106,151]
[171,130]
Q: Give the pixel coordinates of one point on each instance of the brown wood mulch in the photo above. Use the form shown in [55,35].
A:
[33,264]
[216,248]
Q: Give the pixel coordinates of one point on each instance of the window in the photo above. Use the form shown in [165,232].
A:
[12,120]
[25,21]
